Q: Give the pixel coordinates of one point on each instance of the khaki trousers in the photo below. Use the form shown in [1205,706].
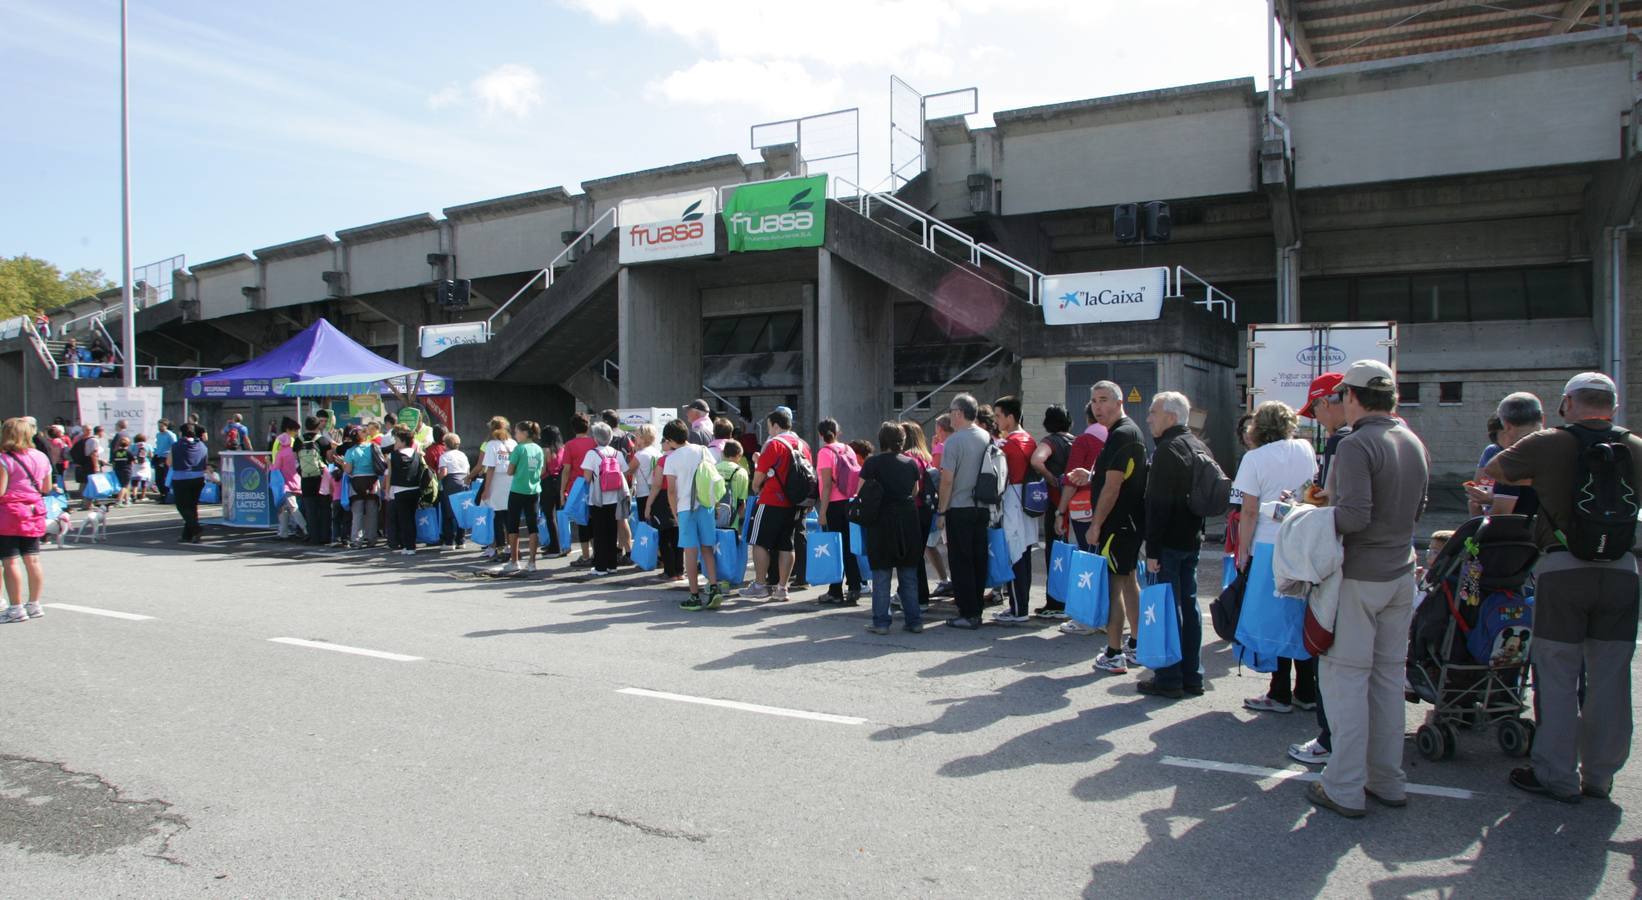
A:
[1362,686]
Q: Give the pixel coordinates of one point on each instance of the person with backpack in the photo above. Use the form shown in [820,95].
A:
[1377,489]
[164,440]
[621,441]
[733,507]
[364,466]
[575,454]
[915,448]
[493,469]
[838,476]
[694,488]
[1174,534]
[313,451]
[1117,520]
[784,482]
[285,467]
[603,470]
[525,464]
[887,510]
[407,481]
[1077,506]
[452,471]
[1018,526]
[234,435]
[1588,477]
[25,480]
[966,516]
[188,463]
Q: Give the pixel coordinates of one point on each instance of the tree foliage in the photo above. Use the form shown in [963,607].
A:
[28,284]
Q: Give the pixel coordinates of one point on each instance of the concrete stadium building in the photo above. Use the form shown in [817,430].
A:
[1471,173]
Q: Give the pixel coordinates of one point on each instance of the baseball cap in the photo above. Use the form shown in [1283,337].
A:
[1589,381]
[1368,373]
[699,406]
[1321,386]
[785,409]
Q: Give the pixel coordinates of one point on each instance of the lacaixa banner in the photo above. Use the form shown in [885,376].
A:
[776,215]
[670,227]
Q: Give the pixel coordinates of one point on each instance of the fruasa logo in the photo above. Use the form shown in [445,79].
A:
[689,228]
[796,218]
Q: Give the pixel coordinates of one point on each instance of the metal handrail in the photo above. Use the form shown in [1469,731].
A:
[929,227]
[1228,304]
[724,400]
[114,346]
[547,272]
[41,348]
[949,382]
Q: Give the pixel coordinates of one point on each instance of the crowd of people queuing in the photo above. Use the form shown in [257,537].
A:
[929,506]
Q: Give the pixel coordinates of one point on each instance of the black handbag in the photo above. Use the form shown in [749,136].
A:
[1225,609]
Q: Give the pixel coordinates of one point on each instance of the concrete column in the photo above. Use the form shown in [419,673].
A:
[808,397]
[659,336]
[855,348]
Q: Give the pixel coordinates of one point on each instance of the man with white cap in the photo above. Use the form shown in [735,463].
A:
[1587,475]
[1377,488]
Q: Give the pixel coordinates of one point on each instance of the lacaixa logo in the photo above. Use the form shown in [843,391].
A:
[1101,298]
[689,227]
[797,218]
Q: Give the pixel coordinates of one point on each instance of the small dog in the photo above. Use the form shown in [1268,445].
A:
[96,521]
[57,529]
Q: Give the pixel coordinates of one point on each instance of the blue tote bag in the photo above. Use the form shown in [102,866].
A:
[1157,643]
[730,556]
[1086,595]
[100,486]
[999,570]
[1228,570]
[646,549]
[483,530]
[345,497]
[1060,570]
[1270,626]
[211,493]
[428,524]
[563,521]
[1035,498]
[461,504]
[576,502]
[858,546]
[825,563]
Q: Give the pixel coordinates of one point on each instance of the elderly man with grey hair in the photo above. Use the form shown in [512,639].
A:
[1520,415]
[1174,535]
[963,517]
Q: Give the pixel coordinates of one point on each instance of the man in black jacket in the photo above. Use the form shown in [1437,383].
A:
[1173,538]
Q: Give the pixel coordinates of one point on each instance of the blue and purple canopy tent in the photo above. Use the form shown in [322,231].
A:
[321,361]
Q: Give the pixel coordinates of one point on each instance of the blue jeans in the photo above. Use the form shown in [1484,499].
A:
[906,587]
[1179,568]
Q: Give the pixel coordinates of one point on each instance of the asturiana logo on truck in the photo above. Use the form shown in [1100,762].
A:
[1321,354]
[688,228]
[797,218]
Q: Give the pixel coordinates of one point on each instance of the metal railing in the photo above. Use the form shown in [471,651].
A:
[930,229]
[113,345]
[41,348]
[725,400]
[1211,294]
[948,383]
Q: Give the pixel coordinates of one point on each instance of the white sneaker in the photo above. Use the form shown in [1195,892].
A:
[407,552]
[13,614]
[1263,703]
[1131,659]
[490,553]
[1009,618]
[504,570]
[530,566]
[778,593]
[1110,664]
[1311,753]
[1073,626]
[755,590]
[32,610]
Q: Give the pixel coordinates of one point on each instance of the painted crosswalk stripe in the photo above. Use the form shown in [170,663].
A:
[340,648]
[746,707]
[91,610]
[1209,765]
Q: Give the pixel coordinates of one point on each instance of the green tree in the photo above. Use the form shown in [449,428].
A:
[28,284]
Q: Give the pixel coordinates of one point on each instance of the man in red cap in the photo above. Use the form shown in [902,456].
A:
[1323,405]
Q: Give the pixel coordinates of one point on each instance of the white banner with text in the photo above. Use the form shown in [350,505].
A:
[673,226]
[1088,298]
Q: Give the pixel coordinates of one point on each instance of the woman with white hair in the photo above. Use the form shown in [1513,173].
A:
[604,468]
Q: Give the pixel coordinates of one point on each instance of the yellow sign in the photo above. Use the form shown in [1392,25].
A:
[1134,395]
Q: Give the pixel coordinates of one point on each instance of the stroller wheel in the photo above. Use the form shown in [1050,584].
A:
[1431,742]
[1451,740]
[1516,736]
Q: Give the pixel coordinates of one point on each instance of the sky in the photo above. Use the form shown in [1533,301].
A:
[257,124]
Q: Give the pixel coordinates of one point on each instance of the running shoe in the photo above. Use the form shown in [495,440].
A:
[585,562]
[964,622]
[504,570]
[32,610]
[778,594]
[691,603]
[1111,664]
[1073,626]
[1263,703]
[1311,753]
[1307,705]
[756,590]
[1009,618]
[942,589]
[13,614]
[1049,612]
[530,566]
[1130,659]
[715,598]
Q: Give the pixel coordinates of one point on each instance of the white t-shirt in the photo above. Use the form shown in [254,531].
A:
[1269,470]
[495,460]
[681,467]
[645,473]
[597,496]
[453,462]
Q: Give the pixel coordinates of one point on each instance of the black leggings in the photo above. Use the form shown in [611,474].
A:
[402,512]
[601,520]
[187,494]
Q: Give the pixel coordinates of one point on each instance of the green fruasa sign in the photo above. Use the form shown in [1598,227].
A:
[775,215]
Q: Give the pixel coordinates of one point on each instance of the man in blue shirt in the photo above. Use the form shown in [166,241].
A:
[164,440]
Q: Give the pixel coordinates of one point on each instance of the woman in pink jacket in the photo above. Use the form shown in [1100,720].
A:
[25,476]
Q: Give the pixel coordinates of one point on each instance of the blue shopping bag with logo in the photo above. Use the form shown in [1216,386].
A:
[730,556]
[1228,570]
[1060,570]
[211,493]
[858,546]
[1035,498]
[646,545]
[345,497]
[483,529]
[428,523]
[576,502]
[1270,626]
[56,505]
[999,569]
[461,504]
[562,519]
[276,492]
[1157,640]
[824,564]
[100,485]
[1144,575]
[1087,601]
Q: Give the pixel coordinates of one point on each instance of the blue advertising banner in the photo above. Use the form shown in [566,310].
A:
[247,495]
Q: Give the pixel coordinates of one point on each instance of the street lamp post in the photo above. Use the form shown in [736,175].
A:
[128,324]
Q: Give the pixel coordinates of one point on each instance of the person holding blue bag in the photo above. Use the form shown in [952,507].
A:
[453,473]
[188,457]
[886,508]
[1118,488]
[1174,537]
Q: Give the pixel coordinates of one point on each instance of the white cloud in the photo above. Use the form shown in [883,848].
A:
[773,86]
[510,88]
[446,97]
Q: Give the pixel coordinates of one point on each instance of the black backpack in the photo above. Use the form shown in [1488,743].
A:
[77,454]
[868,506]
[1210,494]
[992,478]
[1603,524]
[800,487]
[1225,609]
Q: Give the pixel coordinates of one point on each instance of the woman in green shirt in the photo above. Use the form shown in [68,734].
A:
[524,464]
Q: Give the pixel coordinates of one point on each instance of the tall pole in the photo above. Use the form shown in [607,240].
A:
[128,324]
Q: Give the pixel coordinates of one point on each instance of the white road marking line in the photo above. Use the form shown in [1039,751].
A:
[1210,765]
[746,707]
[340,648]
[112,614]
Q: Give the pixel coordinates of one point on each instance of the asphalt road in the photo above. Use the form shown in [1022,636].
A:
[548,738]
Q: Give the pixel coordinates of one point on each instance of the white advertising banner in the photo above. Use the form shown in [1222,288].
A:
[1283,360]
[436,339]
[1121,295]
[138,408]
[673,226]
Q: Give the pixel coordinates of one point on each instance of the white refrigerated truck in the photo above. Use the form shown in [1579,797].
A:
[1283,359]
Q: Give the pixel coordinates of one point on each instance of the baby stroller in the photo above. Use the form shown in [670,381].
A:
[1468,643]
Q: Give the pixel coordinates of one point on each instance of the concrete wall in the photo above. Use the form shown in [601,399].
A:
[391,263]
[855,347]
[752,298]
[659,344]
[289,280]
[1543,103]
[1455,434]
[515,242]
[1209,386]
[219,288]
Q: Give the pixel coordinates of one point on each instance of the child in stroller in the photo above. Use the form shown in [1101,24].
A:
[1468,643]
